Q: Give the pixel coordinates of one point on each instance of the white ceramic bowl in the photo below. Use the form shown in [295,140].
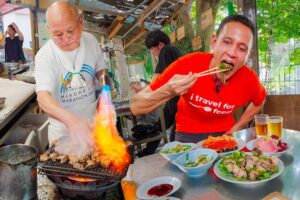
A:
[197,171]
[250,146]
[171,145]
[142,191]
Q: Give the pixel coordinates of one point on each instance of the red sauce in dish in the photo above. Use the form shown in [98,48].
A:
[160,190]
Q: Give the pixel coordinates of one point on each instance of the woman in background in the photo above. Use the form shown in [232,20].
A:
[13,44]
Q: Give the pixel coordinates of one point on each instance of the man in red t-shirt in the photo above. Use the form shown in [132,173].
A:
[206,104]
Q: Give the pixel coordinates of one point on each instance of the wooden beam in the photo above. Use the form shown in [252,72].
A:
[178,11]
[137,36]
[150,9]
[116,25]
[12,10]
[99,10]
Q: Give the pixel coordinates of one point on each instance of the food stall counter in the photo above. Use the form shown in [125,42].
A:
[18,95]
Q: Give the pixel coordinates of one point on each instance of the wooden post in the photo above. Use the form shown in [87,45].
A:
[248,9]
[34,31]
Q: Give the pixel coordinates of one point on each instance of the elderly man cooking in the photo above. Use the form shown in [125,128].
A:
[66,68]
[206,103]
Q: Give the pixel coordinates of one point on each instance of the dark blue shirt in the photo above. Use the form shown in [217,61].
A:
[13,49]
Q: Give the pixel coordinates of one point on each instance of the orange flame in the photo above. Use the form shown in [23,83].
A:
[108,142]
[82,179]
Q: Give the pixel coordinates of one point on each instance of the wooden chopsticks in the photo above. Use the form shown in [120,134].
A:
[211,71]
[207,72]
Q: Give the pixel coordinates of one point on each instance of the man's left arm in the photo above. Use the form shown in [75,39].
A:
[248,115]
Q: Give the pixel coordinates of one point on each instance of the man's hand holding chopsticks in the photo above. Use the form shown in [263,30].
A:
[180,84]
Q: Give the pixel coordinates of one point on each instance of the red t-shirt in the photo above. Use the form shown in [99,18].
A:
[202,109]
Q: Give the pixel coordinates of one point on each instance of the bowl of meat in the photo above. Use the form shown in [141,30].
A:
[248,169]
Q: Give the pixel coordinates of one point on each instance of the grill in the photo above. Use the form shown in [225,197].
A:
[105,183]
[55,168]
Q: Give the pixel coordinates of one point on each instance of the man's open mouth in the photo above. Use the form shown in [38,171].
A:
[227,65]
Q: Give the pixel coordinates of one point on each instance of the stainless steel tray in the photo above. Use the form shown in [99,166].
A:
[2,102]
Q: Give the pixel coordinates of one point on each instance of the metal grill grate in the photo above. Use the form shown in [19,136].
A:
[55,168]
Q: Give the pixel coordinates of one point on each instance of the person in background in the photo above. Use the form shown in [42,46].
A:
[146,124]
[13,44]
[158,43]
[206,103]
[66,69]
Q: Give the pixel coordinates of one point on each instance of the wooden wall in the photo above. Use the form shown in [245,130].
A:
[287,106]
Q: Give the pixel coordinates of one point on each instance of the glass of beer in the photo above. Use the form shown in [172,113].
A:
[261,124]
[275,125]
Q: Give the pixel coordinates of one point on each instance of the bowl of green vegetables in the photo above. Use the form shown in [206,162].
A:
[172,150]
[195,163]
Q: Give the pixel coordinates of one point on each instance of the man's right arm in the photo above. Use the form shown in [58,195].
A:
[53,109]
[147,100]
[48,104]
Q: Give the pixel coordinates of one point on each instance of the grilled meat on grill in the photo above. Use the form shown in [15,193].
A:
[84,162]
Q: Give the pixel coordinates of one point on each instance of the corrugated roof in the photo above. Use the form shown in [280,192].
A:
[153,13]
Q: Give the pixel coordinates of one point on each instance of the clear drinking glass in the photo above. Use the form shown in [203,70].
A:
[275,126]
[261,124]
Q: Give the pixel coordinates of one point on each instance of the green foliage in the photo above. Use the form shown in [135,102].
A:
[278,22]
[282,17]
[222,13]
[145,56]
[295,57]
[148,65]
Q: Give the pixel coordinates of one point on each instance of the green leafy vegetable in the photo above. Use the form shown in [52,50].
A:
[179,148]
[234,167]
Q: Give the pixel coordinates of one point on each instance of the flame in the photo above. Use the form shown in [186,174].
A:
[111,147]
[82,179]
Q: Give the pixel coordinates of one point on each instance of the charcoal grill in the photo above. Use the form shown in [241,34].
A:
[106,180]
[55,168]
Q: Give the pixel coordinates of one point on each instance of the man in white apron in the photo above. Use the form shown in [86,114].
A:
[66,69]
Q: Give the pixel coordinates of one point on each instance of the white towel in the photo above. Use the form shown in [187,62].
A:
[64,60]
